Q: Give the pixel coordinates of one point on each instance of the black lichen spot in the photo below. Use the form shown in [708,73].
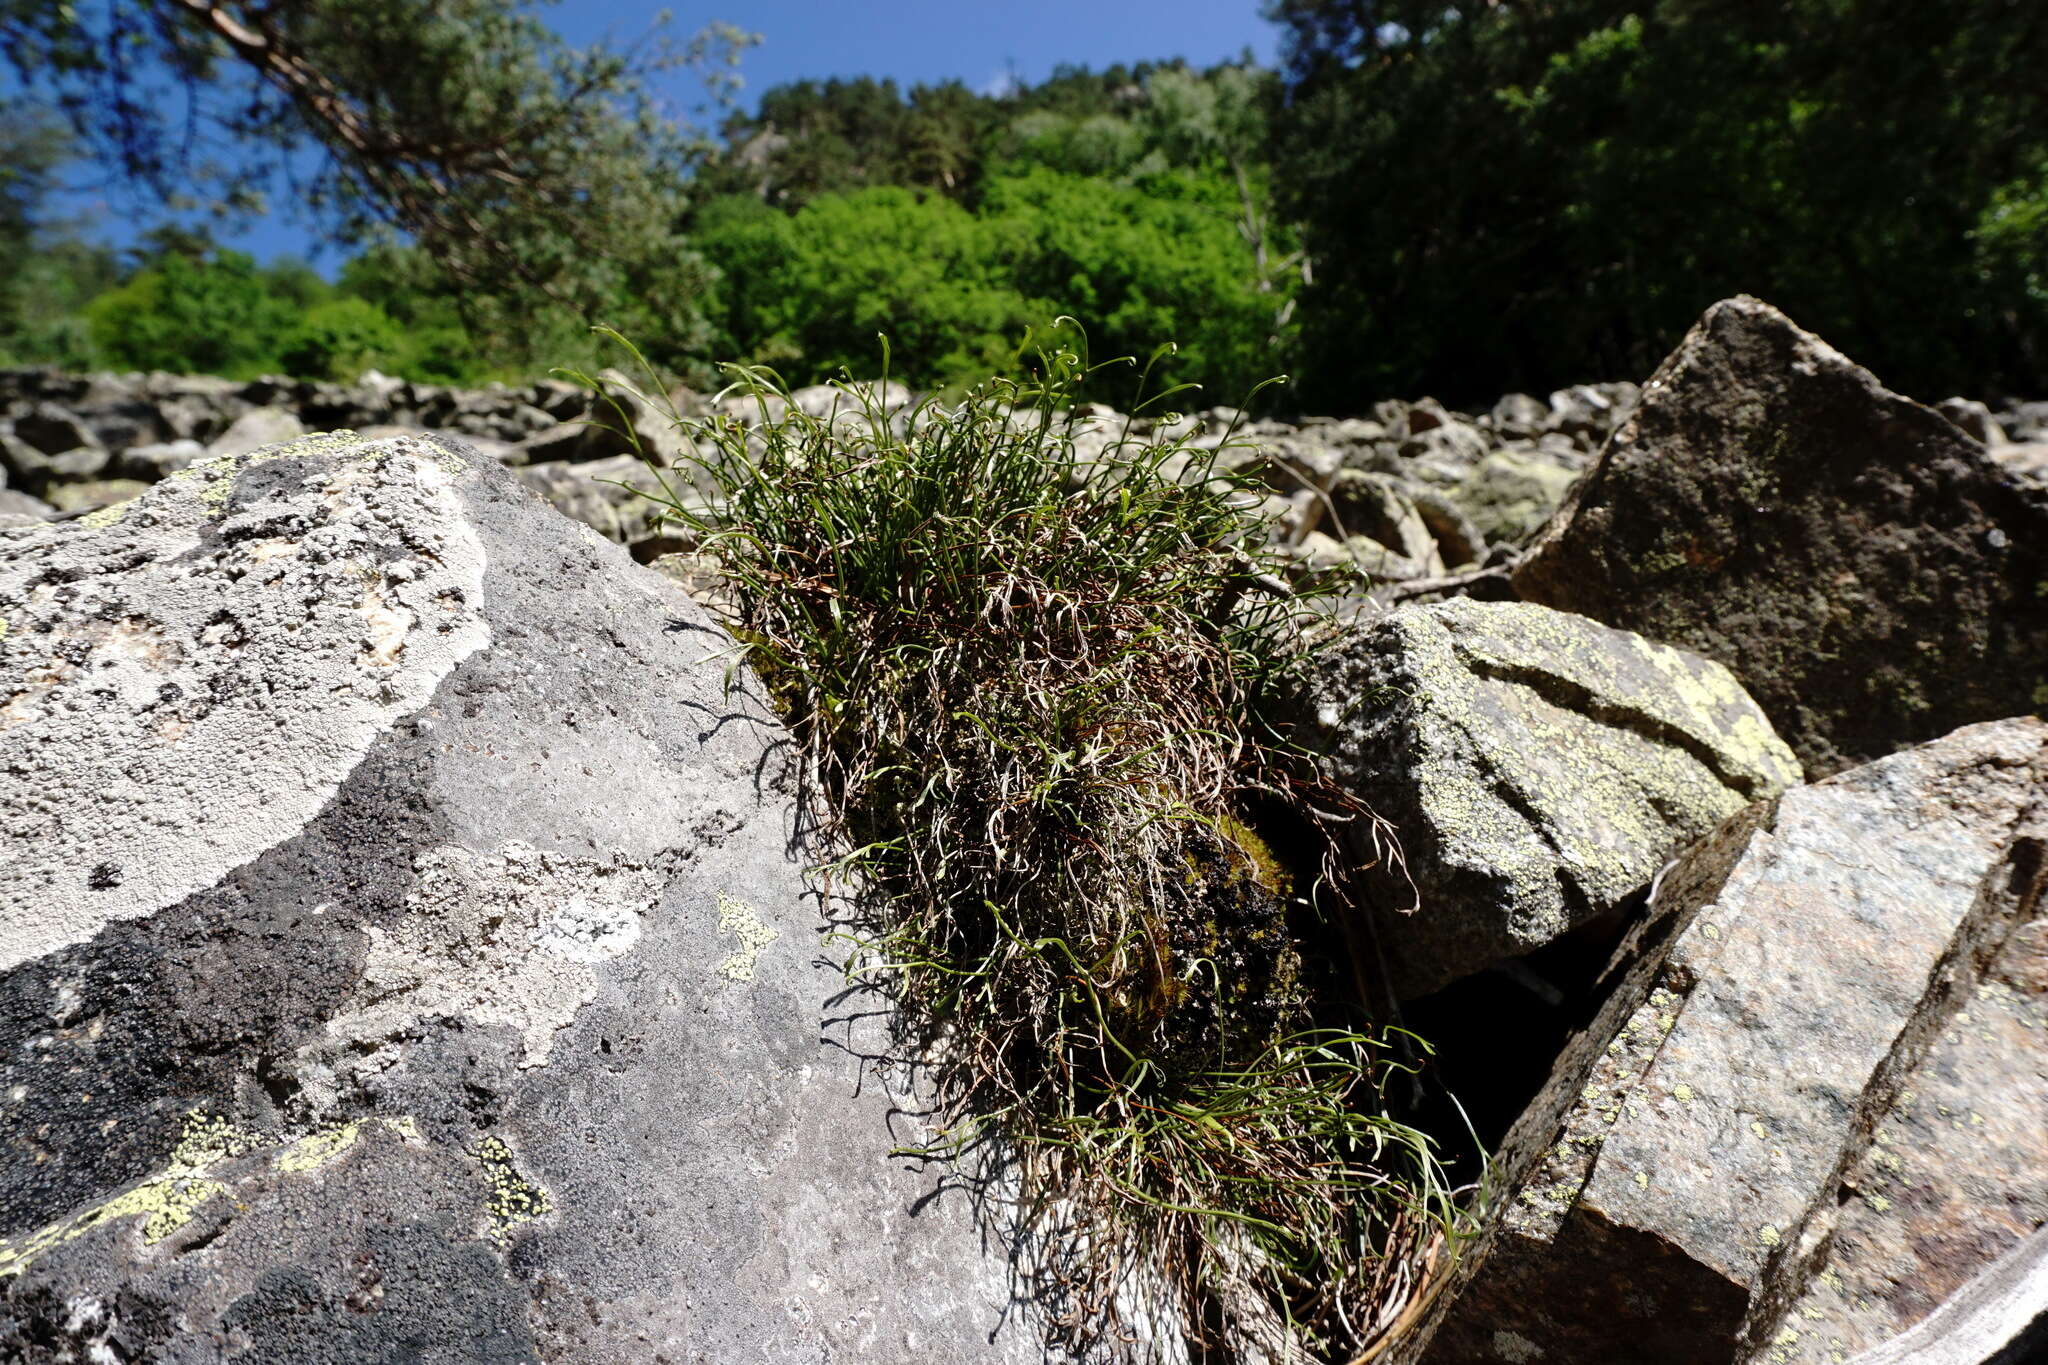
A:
[104,877]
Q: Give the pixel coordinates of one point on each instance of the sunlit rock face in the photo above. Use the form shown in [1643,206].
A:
[404,954]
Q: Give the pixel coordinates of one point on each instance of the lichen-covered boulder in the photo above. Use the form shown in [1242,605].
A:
[1871,574]
[1812,1110]
[1514,490]
[404,956]
[1537,768]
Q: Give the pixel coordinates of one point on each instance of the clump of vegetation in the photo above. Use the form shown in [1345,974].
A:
[1036,672]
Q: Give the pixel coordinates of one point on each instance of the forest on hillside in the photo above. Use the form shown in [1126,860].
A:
[1456,199]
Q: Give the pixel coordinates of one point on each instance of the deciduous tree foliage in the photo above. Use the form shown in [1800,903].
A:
[532,174]
[1529,192]
[1135,200]
[46,273]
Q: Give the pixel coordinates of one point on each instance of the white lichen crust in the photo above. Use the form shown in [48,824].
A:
[184,685]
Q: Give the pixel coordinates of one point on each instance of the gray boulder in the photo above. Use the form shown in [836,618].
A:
[257,428]
[559,443]
[1867,570]
[1589,413]
[1537,768]
[404,956]
[2026,461]
[52,430]
[1974,418]
[19,509]
[152,462]
[1510,493]
[1520,415]
[1811,1111]
[91,495]
[38,472]
[1458,540]
[611,495]
[1381,507]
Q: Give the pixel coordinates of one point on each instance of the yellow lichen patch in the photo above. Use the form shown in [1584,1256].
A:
[739,919]
[513,1199]
[166,1202]
[107,516]
[311,1153]
[315,1150]
[206,1140]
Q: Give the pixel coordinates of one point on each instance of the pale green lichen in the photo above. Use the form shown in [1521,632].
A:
[107,516]
[216,475]
[165,1202]
[739,919]
[168,1200]
[513,1199]
[312,1152]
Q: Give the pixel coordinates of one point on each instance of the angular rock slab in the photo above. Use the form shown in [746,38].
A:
[1538,769]
[1869,572]
[403,956]
[1813,1107]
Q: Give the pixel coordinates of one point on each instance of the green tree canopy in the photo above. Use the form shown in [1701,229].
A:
[1523,194]
[532,174]
[212,314]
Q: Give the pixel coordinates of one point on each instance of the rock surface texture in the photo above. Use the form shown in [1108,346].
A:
[1872,575]
[1538,769]
[403,956]
[1813,1107]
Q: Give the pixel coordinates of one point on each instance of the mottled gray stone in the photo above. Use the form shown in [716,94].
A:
[2000,1317]
[19,509]
[404,956]
[1869,572]
[1537,768]
[1954,1176]
[605,494]
[255,429]
[1513,491]
[1814,986]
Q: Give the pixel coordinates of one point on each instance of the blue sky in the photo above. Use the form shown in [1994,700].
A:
[914,41]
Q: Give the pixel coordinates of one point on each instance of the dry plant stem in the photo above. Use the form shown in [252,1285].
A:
[1038,691]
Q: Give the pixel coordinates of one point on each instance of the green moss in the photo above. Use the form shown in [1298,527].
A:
[1260,863]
